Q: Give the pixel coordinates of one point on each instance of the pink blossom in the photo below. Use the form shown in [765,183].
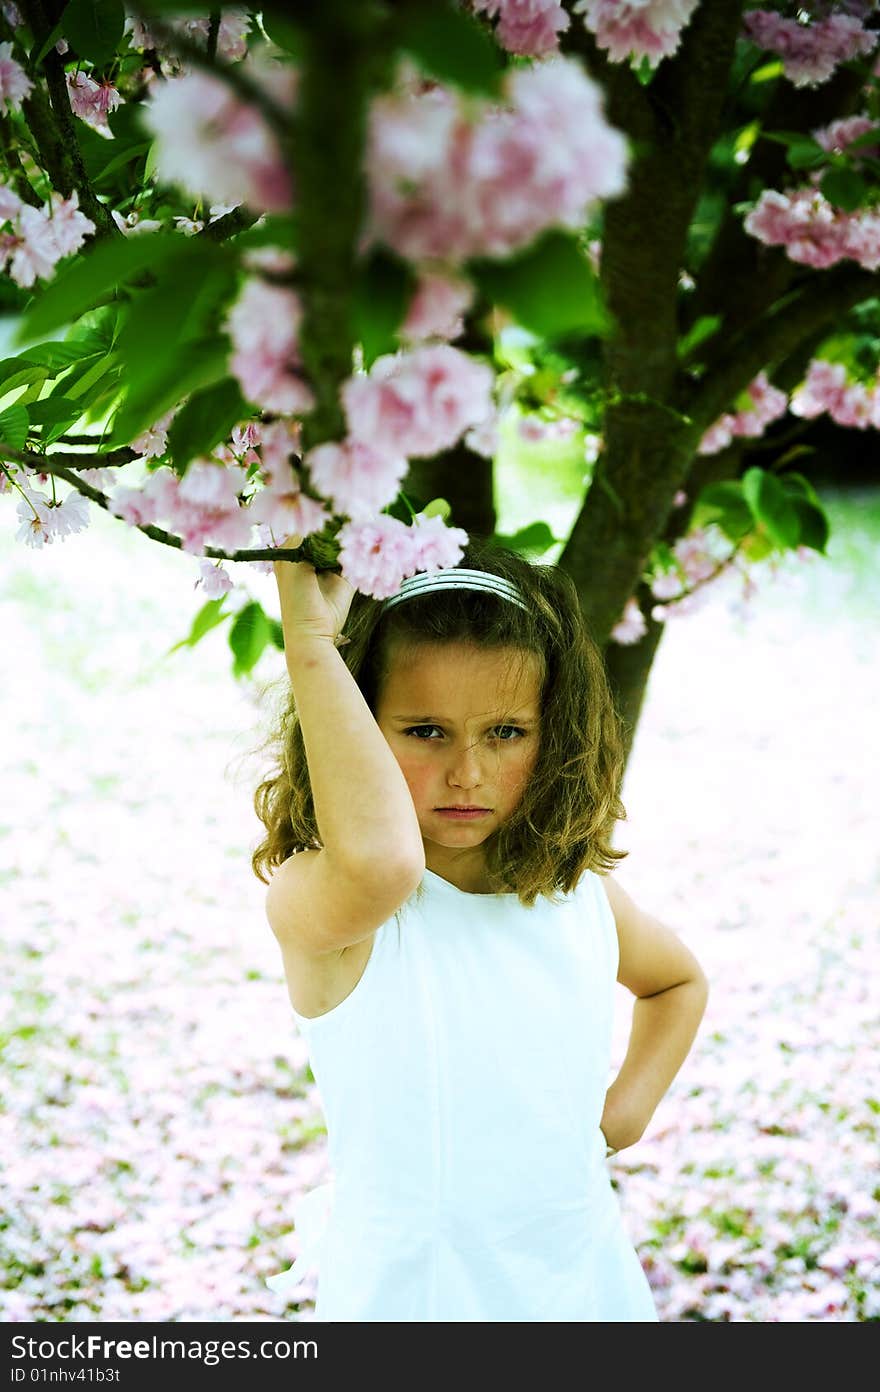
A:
[359,480]
[667,584]
[451,178]
[92,101]
[213,578]
[42,521]
[154,441]
[631,625]
[132,222]
[768,404]
[282,504]
[418,403]
[10,203]
[34,250]
[836,137]
[527,27]
[827,387]
[211,143]
[637,28]
[435,545]
[39,240]
[377,555]
[263,324]
[69,226]
[231,37]
[810,52]
[813,231]
[532,428]
[484,438]
[436,308]
[15,84]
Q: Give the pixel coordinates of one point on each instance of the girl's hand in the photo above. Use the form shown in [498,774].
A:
[313,604]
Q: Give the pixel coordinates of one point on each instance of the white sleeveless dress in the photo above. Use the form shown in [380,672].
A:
[462,1082]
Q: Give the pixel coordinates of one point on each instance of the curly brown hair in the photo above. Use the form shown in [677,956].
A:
[565,820]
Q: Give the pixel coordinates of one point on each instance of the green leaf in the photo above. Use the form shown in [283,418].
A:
[94,274]
[700,330]
[644,71]
[248,637]
[94,28]
[451,45]
[53,409]
[844,188]
[724,504]
[204,362]
[437,507]
[205,420]
[162,324]
[279,229]
[802,151]
[57,356]
[771,505]
[814,528]
[14,372]
[14,423]
[124,157]
[283,32]
[550,288]
[768,71]
[537,537]
[79,384]
[208,617]
[382,294]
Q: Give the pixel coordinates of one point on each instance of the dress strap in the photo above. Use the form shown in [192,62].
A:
[311,1218]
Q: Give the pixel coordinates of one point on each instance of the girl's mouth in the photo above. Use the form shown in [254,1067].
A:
[466,814]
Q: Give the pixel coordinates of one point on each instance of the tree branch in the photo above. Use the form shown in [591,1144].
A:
[55,133]
[48,466]
[774,336]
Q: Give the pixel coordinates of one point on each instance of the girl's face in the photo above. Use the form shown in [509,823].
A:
[463,723]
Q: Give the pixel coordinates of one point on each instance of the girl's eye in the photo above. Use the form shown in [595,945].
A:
[417,729]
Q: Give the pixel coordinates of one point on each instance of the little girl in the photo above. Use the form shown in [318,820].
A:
[451,938]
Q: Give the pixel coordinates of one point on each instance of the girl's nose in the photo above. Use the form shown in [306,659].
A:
[464,770]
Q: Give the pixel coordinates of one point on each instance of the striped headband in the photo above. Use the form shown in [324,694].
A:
[456,578]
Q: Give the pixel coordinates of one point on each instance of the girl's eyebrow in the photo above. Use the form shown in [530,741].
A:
[439,720]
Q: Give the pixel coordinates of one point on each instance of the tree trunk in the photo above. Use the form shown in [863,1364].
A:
[465,480]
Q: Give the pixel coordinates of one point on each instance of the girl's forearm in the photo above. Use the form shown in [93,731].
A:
[363,807]
[663,1029]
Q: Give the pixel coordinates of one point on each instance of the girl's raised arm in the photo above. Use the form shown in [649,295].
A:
[372,854]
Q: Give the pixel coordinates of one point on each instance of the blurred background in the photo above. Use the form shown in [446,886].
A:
[158,1113]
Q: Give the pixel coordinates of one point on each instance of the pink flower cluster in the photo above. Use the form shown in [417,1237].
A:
[828,387]
[231,37]
[202,508]
[376,556]
[436,308]
[530,28]
[418,403]
[40,237]
[91,100]
[810,52]
[210,142]
[768,403]
[263,324]
[637,28]
[839,135]
[813,231]
[451,179]
[15,84]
